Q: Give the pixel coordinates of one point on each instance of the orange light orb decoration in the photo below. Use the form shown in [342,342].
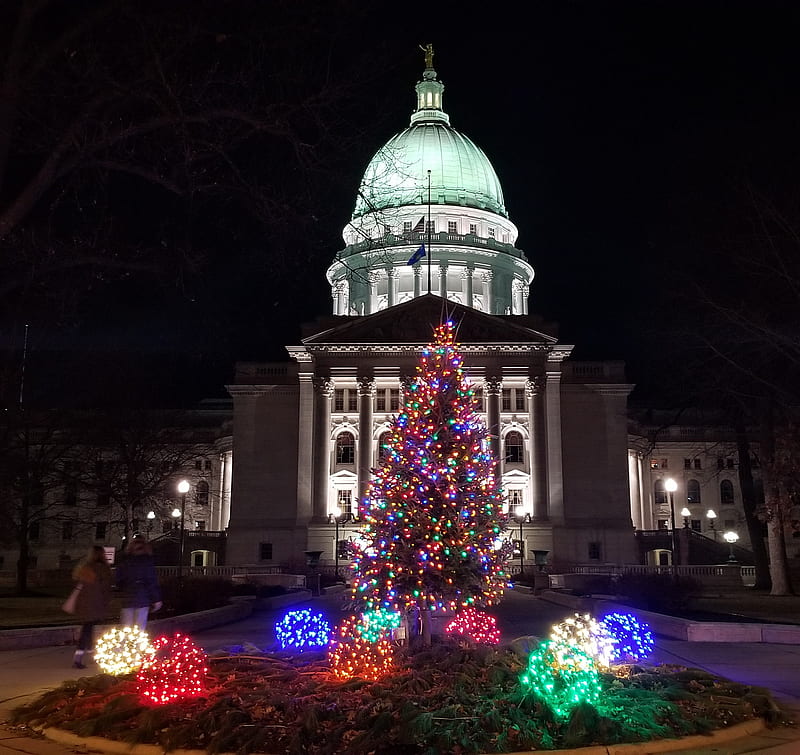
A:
[352,654]
[177,669]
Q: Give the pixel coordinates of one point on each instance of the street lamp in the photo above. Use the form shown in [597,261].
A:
[183,489]
[685,513]
[711,515]
[150,516]
[671,486]
[520,514]
[730,538]
[336,513]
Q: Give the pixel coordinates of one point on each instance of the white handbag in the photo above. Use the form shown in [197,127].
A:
[71,603]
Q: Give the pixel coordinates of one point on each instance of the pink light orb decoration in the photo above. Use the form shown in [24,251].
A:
[177,669]
[475,625]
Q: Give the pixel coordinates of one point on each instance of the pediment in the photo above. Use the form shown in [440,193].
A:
[412,322]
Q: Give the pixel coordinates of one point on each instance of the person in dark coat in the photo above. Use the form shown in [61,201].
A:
[93,575]
[137,582]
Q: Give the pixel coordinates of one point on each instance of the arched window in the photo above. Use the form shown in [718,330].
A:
[201,493]
[693,491]
[660,492]
[514,448]
[383,451]
[345,448]
[726,492]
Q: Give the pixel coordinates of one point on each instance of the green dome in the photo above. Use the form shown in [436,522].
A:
[461,174]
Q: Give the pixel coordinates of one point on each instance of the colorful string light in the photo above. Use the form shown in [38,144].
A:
[633,639]
[562,675]
[122,651]
[352,654]
[176,669]
[434,511]
[582,631]
[379,622]
[302,630]
[475,625]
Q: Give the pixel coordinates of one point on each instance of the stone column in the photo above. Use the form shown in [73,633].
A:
[534,391]
[526,292]
[391,289]
[516,297]
[488,296]
[443,281]
[467,277]
[226,480]
[372,296]
[417,280]
[555,469]
[493,387]
[323,390]
[335,297]
[366,393]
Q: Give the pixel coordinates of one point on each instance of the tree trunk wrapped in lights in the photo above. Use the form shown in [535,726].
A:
[434,512]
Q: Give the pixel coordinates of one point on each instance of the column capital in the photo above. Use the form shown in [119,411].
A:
[467,272]
[323,386]
[487,275]
[373,276]
[391,272]
[366,385]
[442,267]
[534,386]
[493,385]
[417,268]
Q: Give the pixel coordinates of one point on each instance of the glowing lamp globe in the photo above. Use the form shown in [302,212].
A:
[302,630]
[477,626]
[122,651]
[176,670]
[352,654]
[634,640]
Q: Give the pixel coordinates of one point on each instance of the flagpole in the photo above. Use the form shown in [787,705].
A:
[429,231]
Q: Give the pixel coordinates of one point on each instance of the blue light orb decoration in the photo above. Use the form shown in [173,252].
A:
[302,630]
[634,640]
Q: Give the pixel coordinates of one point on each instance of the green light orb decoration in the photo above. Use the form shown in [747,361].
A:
[563,675]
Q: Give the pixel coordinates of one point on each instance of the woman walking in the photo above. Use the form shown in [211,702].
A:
[138,582]
[93,576]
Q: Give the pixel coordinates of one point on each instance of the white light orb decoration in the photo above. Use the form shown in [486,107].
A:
[588,634]
[123,651]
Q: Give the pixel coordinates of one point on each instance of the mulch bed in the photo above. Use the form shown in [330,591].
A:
[449,698]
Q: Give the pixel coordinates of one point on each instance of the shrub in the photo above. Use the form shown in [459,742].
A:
[191,594]
[662,593]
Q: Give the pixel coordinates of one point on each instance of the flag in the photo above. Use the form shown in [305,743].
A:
[419,227]
[417,256]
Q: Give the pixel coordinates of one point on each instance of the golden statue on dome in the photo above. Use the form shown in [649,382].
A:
[428,50]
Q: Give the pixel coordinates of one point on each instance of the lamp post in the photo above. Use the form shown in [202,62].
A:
[336,513]
[685,513]
[711,515]
[671,486]
[730,538]
[151,515]
[520,514]
[183,489]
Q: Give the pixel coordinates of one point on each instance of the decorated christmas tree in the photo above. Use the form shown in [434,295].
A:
[434,511]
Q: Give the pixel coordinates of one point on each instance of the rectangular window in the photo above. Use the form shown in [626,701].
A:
[663,524]
[200,525]
[514,500]
[386,230]
[380,401]
[698,463]
[67,530]
[407,226]
[695,525]
[198,464]
[33,531]
[452,226]
[506,399]
[687,463]
[352,401]
[100,529]
[473,229]
[166,526]
[729,463]
[654,464]
[265,551]
[491,233]
[394,400]
[207,464]
[344,500]
[519,549]
[430,226]
[595,551]
[519,400]
[720,463]
[338,400]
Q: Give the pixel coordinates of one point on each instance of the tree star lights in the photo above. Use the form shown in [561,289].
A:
[122,651]
[177,669]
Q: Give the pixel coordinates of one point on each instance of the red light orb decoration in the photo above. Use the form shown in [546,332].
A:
[353,654]
[477,626]
[177,669]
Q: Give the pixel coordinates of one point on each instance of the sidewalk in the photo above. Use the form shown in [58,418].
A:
[25,674]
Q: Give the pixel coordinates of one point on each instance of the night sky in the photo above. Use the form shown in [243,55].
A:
[626,136]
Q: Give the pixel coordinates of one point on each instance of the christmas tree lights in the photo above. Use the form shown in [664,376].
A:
[434,511]
[563,675]
[122,651]
[375,623]
[353,654]
[588,634]
[477,626]
[634,640]
[302,630]
[177,669]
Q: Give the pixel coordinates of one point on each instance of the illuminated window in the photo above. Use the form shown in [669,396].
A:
[201,493]
[693,491]
[345,448]
[452,226]
[514,448]
[726,492]
[338,400]
[200,525]
[658,464]
[344,500]
[514,500]
[660,491]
